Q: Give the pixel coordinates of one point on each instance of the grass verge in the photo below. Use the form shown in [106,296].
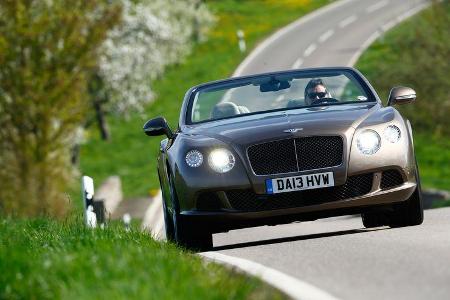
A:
[130,154]
[45,259]
[431,149]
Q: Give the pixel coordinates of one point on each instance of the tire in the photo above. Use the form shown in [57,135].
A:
[371,220]
[409,212]
[168,225]
[186,234]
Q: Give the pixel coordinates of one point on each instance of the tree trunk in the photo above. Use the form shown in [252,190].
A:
[101,121]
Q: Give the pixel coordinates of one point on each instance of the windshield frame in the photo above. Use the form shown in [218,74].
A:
[372,97]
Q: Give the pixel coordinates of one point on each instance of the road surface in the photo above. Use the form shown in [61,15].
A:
[332,36]
[338,255]
[342,258]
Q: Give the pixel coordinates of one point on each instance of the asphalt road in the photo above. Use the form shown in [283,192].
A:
[337,254]
[341,257]
[333,37]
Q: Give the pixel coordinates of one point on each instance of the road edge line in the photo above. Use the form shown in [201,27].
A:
[293,287]
[152,214]
[259,48]
[386,27]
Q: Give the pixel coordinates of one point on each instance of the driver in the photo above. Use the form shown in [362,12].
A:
[315,89]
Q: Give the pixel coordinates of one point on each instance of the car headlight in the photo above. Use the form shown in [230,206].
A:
[194,158]
[392,133]
[368,142]
[221,160]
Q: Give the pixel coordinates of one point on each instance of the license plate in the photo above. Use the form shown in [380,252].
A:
[298,183]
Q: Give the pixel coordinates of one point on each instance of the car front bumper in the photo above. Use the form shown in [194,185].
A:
[228,219]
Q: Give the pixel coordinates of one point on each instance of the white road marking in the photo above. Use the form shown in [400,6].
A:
[159,231]
[154,217]
[347,21]
[310,50]
[297,63]
[325,36]
[385,28]
[293,287]
[317,13]
[388,25]
[377,6]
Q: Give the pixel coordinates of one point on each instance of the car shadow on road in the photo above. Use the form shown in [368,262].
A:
[297,238]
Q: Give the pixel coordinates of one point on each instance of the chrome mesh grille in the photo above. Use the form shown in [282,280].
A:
[297,154]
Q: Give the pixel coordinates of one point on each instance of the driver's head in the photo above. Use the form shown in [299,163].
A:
[315,89]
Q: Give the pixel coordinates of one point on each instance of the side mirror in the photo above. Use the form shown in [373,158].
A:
[157,126]
[401,95]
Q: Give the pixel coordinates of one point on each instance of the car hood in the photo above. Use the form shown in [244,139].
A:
[249,129]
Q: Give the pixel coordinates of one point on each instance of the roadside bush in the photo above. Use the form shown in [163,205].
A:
[420,53]
[47,51]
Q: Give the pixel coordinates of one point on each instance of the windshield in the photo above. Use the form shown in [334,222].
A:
[275,92]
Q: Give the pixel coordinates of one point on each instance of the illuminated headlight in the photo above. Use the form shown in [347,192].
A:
[221,160]
[194,158]
[368,142]
[392,133]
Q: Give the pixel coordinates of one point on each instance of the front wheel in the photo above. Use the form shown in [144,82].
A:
[168,224]
[186,234]
[374,219]
[409,212]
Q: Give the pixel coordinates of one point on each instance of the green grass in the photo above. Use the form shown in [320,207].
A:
[432,150]
[45,259]
[440,204]
[433,156]
[130,154]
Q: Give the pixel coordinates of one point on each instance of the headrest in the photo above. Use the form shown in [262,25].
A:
[224,109]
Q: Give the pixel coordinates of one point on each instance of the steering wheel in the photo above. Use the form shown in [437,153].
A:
[324,101]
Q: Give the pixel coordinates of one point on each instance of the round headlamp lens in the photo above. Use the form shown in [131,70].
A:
[221,160]
[194,158]
[392,133]
[368,142]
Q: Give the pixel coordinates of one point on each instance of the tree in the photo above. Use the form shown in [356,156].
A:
[47,51]
[153,34]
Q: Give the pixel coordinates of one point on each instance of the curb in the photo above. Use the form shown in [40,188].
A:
[154,218]
[293,287]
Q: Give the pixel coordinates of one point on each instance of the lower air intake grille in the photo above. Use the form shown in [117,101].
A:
[247,200]
[390,179]
[208,202]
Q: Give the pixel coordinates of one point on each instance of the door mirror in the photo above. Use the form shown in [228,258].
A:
[157,126]
[401,95]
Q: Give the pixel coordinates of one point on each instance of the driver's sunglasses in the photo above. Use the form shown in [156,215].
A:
[318,94]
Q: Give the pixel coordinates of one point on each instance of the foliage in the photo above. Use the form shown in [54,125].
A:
[420,51]
[433,158]
[153,35]
[45,259]
[47,49]
[419,48]
[131,154]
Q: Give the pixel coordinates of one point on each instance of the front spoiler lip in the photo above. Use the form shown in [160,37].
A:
[375,198]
